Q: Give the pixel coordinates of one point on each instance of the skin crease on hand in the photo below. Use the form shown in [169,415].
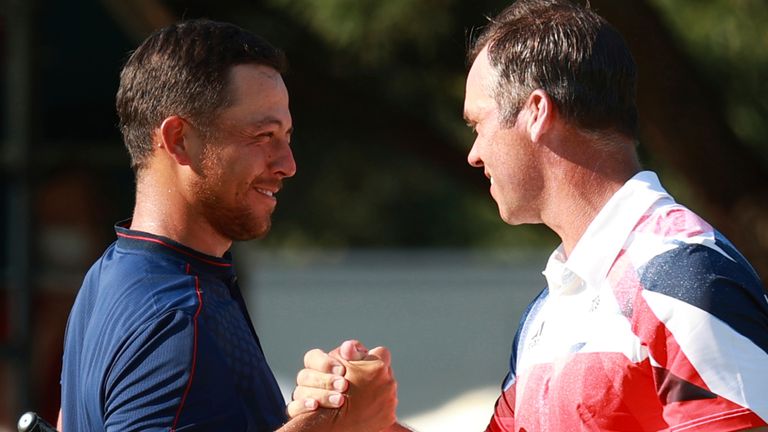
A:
[328,388]
[321,370]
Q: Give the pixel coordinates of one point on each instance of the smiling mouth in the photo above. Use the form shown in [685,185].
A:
[265,192]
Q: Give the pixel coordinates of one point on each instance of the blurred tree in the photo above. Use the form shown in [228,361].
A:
[377,90]
[693,121]
[728,42]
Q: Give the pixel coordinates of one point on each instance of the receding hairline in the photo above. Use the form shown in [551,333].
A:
[230,95]
[487,81]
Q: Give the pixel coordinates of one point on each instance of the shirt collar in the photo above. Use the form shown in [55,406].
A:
[199,262]
[596,250]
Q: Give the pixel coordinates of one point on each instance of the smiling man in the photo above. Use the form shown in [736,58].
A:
[159,337]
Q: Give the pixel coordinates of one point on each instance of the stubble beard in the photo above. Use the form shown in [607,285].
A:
[236,221]
[233,220]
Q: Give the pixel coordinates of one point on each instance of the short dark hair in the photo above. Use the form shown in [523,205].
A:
[183,69]
[570,52]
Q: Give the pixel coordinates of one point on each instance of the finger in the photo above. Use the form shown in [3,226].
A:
[320,380]
[301,406]
[382,353]
[353,350]
[324,398]
[318,360]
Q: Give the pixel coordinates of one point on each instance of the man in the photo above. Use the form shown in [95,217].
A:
[159,337]
[651,319]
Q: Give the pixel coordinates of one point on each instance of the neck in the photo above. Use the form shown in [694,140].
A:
[581,182]
[162,208]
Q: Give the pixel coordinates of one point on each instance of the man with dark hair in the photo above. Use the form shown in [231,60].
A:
[159,337]
[651,319]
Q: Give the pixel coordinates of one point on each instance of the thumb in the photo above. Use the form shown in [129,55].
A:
[383,354]
[352,350]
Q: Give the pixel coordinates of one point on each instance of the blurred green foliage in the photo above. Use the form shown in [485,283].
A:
[377,93]
[373,30]
[728,41]
[372,153]
[377,97]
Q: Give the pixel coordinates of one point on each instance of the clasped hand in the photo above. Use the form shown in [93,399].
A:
[356,382]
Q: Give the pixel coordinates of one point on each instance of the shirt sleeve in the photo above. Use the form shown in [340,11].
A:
[164,379]
[704,317]
[504,412]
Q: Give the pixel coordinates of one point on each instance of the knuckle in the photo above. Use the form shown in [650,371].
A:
[293,409]
[311,354]
[328,382]
[298,393]
[302,377]
[307,357]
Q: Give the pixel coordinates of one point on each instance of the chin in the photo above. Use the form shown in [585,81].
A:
[511,218]
[254,233]
[243,229]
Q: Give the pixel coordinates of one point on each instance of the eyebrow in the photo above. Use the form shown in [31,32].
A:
[267,121]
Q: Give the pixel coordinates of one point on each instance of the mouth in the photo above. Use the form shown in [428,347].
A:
[489,176]
[267,192]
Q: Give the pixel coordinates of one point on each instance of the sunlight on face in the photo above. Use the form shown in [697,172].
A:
[249,156]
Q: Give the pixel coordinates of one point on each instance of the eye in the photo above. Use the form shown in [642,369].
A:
[263,137]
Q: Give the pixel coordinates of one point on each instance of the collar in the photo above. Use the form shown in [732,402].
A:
[200,262]
[596,250]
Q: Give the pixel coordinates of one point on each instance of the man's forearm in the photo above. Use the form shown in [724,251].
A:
[326,420]
[318,421]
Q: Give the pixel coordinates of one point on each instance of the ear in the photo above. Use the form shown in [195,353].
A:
[173,137]
[541,113]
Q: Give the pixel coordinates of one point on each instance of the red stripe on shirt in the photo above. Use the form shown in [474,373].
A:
[504,413]
[653,333]
[194,350]
[700,414]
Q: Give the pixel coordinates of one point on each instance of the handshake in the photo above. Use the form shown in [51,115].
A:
[352,384]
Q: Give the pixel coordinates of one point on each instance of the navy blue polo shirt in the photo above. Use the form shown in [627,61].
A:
[159,338]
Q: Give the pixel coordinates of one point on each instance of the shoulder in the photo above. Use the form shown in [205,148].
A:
[676,252]
[683,264]
[123,295]
[699,280]
[143,284]
[673,241]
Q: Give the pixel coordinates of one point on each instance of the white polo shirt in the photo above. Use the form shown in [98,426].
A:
[631,333]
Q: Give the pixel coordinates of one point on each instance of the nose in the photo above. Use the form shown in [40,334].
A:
[284,165]
[473,158]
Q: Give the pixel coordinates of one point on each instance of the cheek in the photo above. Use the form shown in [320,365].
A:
[238,167]
[225,180]
[497,153]
[251,162]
